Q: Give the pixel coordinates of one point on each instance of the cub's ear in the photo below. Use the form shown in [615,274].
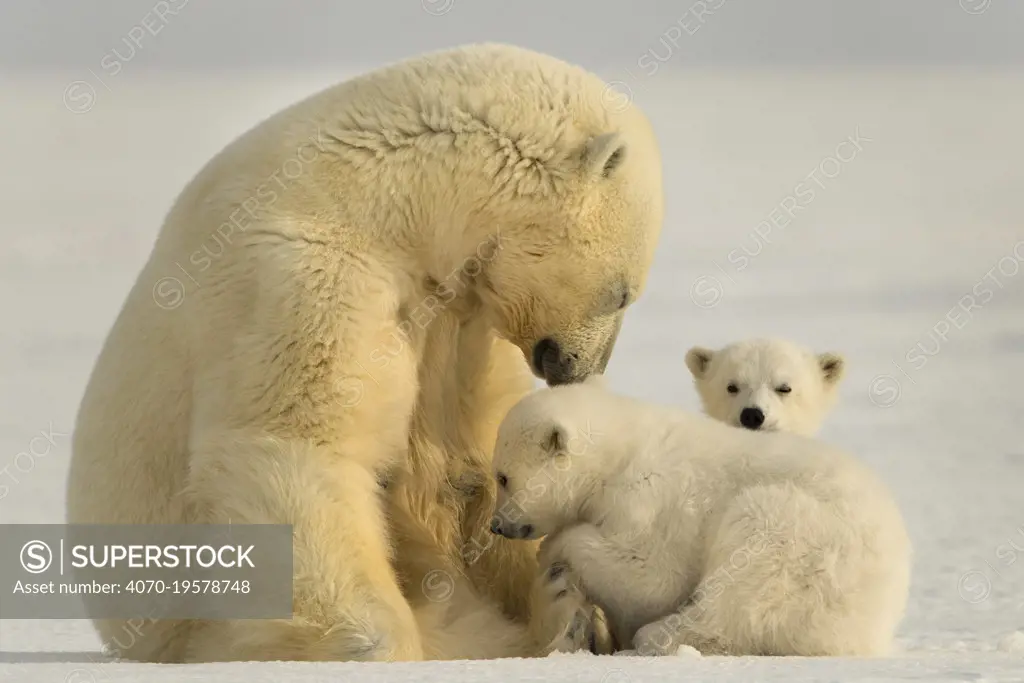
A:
[698,359]
[603,154]
[556,439]
[833,366]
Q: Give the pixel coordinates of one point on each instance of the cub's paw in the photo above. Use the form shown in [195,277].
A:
[564,618]
[563,583]
[586,626]
[577,636]
[656,639]
[557,555]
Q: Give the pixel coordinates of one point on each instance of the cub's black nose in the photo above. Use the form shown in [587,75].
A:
[495,526]
[752,418]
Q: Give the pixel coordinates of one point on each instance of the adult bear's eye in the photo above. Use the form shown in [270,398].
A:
[733,389]
[783,389]
[614,299]
[502,480]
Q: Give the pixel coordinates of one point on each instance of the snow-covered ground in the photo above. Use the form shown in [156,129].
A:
[926,208]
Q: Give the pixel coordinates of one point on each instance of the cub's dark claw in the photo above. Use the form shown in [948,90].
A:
[579,627]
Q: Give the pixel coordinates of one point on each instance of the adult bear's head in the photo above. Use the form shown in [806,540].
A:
[574,251]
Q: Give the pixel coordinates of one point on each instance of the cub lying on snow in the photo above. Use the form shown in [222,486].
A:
[687,531]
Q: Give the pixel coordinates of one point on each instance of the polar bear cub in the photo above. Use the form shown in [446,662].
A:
[766,384]
[688,532]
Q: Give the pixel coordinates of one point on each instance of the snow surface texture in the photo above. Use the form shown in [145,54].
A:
[927,211]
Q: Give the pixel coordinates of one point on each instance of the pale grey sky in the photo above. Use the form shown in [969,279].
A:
[288,34]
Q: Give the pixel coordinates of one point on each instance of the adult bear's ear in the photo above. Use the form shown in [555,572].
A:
[597,381]
[698,359]
[603,154]
[833,366]
[556,439]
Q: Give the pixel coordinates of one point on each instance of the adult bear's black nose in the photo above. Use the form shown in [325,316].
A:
[752,418]
[545,352]
[495,525]
[554,366]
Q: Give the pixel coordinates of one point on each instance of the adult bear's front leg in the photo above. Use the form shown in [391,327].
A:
[294,423]
[491,377]
[346,601]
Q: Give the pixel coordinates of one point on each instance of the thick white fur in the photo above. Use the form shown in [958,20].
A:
[333,322]
[686,531]
[758,368]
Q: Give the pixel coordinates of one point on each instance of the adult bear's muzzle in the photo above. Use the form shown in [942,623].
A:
[564,363]
[554,365]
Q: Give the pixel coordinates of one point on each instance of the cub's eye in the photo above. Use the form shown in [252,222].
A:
[625,300]
[783,389]
[502,480]
[733,389]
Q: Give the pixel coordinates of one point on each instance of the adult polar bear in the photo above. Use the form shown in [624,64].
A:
[488,185]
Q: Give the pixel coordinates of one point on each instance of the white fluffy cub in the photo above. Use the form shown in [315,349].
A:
[766,384]
[686,531]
